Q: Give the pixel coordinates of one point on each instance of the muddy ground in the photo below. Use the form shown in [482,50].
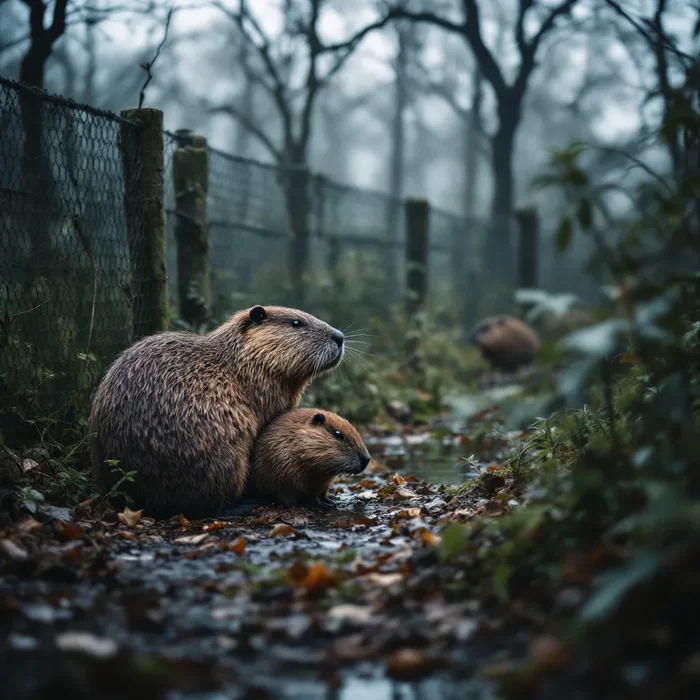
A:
[283,603]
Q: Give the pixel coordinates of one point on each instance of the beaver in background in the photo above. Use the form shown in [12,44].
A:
[296,457]
[505,342]
[183,410]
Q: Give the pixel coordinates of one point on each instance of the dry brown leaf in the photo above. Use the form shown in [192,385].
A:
[491,508]
[129,517]
[216,525]
[318,577]
[282,530]
[29,524]
[69,531]
[495,467]
[28,465]
[13,551]
[408,513]
[183,522]
[429,538]
[408,665]
[398,479]
[238,546]
[404,493]
[375,467]
[192,539]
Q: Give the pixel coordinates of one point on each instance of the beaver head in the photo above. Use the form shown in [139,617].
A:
[505,341]
[281,342]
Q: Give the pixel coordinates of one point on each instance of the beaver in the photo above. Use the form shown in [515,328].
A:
[298,454]
[182,410]
[505,342]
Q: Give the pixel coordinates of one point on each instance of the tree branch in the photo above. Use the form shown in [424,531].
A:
[249,125]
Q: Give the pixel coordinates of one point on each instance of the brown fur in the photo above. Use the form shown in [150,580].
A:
[506,342]
[298,454]
[183,410]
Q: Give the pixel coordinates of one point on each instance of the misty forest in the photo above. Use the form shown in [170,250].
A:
[349,349]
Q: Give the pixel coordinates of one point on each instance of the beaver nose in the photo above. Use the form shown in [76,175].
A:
[338,337]
[364,461]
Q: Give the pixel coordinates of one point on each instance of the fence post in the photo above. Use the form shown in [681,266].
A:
[191,186]
[144,204]
[528,247]
[417,235]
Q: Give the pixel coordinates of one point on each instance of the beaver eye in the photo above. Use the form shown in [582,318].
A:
[339,435]
[296,323]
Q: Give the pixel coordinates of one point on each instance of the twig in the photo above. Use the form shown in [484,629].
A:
[147,66]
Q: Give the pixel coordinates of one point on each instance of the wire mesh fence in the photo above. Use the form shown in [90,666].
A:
[66,304]
[72,293]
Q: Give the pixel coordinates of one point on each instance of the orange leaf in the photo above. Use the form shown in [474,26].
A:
[398,480]
[409,513]
[182,521]
[238,546]
[282,530]
[318,577]
[430,539]
[216,525]
[495,467]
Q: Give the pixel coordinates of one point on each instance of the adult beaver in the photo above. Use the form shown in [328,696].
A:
[505,342]
[182,410]
[297,456]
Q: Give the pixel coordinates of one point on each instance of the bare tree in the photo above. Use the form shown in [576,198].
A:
[509,96]
[297,52]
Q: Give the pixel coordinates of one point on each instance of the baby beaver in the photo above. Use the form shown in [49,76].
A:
[298,454]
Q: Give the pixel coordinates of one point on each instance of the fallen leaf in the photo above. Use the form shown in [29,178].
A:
[398,479]
[13,551]
[28,465]
[408,665]
[86,643]
[404,493]
[216,525]
[384,580]
[358,614]
[408,513]
[69,531]
[491,508]
[495,467]
[183,522]
[238,546]
[29,524]
[192,539]
[429,538]
[376,467]
[129,517]
[317,577]
[282,530]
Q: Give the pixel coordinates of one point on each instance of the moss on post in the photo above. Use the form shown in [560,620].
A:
[144,203]
[191,185]
[417,237]
[528,247]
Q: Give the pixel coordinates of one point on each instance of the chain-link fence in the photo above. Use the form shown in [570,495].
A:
[71,280]
[66,302]
[356,258]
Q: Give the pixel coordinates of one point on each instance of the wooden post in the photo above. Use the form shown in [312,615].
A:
[191,186]
[144,203]
[336,275]
[417,235]
[528,247]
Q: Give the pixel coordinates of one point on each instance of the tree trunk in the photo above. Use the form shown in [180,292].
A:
[298,193]
[498,253]
[396,174]
[465,268]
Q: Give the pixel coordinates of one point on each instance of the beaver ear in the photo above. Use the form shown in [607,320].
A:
[319,419]
[258,314]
